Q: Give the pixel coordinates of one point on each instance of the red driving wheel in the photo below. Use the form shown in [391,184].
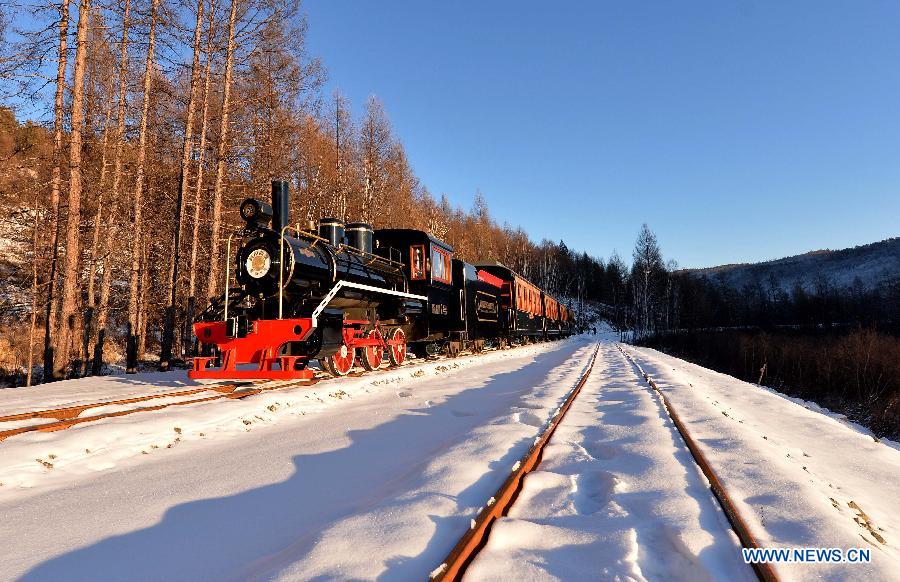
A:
[340,363]
[397,348]
[372,356]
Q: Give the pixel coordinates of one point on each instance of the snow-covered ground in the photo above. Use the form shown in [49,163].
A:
[377,477]
[352,478]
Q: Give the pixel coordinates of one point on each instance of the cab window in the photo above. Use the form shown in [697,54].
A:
[440,265]
[417,262]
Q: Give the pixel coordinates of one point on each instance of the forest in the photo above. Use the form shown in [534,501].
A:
[129,132]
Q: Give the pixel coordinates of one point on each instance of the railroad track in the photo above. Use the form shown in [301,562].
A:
[764,571]
[454,565]
[470,544]
[68,416]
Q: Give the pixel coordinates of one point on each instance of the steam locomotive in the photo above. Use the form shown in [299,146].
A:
[345,293]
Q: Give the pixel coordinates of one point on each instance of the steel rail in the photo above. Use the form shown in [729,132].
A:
[454,565]
[74,419]
[76,409]
[764,571]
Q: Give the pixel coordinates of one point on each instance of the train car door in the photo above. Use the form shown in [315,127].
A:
[440,273]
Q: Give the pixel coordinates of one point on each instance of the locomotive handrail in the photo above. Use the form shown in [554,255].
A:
[316,238]
[281,267]
[374,257]
[227,274]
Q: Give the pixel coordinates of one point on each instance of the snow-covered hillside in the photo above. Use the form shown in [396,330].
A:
[874,264]
[377,477]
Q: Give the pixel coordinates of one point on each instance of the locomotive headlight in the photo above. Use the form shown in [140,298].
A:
[248,210]
[256,212]
[258,263]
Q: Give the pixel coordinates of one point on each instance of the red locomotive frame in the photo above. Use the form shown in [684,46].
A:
[263,342]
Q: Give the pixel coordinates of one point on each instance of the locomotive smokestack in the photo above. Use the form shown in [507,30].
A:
[280,211]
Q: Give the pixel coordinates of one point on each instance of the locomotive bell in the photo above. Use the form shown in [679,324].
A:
[360,236]
[332,230]
[256,212]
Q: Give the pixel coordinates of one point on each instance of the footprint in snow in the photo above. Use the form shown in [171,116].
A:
[461,413]
[528,418]
[594,491]
[600,451]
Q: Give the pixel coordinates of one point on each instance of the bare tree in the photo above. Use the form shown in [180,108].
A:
[55,180]
[186,149]
[71,279]
[116,190]
[645,273]
[375,145]
[34,295]
[136,250]
[221,154]
[201,152]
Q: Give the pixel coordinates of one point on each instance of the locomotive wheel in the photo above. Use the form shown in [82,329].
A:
[371,356]
[397,353]
[340,363]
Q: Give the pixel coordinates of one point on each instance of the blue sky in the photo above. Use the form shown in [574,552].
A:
[738,130]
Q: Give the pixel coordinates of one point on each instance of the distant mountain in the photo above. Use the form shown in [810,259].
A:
[874,264]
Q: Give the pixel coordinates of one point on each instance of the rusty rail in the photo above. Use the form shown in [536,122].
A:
[68,416]
[74,410]
[454,565]
[764,571]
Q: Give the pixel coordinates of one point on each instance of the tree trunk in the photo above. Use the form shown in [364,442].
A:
[98,217]
[55,179]
[134,289]
[198,184]
[143,307]
[34,295]
[116,194]
[71,279]
[186,149]
[91,310]
[222,150]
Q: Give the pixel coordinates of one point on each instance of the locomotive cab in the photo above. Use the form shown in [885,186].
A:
[429,264]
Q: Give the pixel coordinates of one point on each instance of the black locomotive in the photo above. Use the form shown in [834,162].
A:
[345,293]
